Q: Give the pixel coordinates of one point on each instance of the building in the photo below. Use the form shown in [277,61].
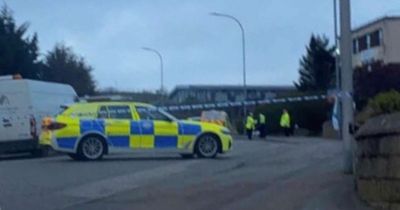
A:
[377,42]
[191,94]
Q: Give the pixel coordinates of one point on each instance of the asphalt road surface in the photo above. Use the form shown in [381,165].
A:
[278,173]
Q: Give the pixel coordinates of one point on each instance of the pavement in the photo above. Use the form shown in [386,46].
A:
[277,173]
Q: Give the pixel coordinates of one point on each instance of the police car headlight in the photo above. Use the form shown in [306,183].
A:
[226,131]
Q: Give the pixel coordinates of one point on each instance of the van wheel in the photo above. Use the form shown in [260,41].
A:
[45,150]
[41,152]
[207,146]
[91,148]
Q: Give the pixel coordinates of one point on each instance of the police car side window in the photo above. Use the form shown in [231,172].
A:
[150,113]
[83,112]
[119,112]
[143,113]
[103,113]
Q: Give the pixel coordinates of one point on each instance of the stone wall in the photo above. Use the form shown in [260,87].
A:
[377,162]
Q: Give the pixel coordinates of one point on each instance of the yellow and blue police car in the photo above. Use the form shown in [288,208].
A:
[87,131]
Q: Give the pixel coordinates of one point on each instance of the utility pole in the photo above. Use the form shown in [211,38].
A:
[347,83]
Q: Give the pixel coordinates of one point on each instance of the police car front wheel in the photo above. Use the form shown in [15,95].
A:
[91,148]
[207,146]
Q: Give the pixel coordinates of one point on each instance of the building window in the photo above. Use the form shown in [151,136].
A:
[355,46]
[362,43]
[375,38]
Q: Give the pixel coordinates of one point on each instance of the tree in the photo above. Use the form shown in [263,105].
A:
[64,66]
[317,67]
[18,52]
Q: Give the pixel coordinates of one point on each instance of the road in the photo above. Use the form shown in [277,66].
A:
[279,173]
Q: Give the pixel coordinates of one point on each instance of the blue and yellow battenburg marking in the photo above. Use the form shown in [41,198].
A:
[136,134]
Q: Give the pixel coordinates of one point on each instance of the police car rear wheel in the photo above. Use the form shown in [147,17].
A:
[91,148]
[74,156]
[207,146]
[187,156]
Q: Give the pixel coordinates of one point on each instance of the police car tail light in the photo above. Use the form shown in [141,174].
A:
[56,126]
[49,123]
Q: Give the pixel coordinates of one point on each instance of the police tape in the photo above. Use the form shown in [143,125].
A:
[243,103]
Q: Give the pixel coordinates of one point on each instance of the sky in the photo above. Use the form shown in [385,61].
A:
[197,48]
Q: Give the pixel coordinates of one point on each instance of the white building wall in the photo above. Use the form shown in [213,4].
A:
[388,51]
[392,42]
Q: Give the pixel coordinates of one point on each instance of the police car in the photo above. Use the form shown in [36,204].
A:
[87,131]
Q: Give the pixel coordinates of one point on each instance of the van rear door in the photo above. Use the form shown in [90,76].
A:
[4,126]
[14,127]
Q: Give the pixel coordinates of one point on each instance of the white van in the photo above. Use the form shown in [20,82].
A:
[23,105]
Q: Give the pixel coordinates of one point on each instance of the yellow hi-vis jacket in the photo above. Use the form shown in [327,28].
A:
[262,119]
[250,123]
[285,120]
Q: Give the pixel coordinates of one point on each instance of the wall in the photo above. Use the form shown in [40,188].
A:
[377,162]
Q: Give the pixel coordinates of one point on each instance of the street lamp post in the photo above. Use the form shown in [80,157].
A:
[244,55]
[161,69]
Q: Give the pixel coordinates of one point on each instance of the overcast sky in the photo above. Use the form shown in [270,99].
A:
[197,48]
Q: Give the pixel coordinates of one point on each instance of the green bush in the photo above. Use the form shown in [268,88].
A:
[385,103]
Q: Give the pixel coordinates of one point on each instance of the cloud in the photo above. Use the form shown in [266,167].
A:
[197,48]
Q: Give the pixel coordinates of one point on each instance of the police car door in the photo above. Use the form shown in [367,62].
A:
[117,125]
[158,130]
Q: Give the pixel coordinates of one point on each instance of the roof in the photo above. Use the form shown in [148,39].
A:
[28,85]
[232,88]
[375,21]
[115,103]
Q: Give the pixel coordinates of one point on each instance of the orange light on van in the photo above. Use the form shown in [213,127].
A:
[17,77]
